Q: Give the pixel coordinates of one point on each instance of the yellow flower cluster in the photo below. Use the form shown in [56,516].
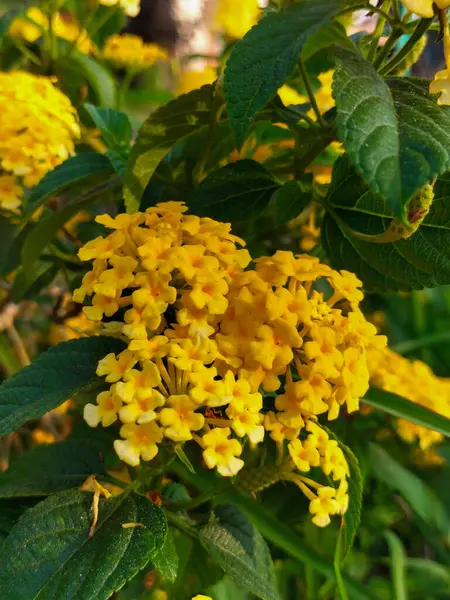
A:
[205,337]
[38,125]
[131,7]
[415,381]
[236,17]
[31,27]
[128,50]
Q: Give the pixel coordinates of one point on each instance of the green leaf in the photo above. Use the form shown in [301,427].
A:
[420,497]
[47,469]
[256,69]
[97,76]
[240,550]
[330,35]
[8,233]
[397,137]
[51,379]
[290,200]
[184,458]
[49,556]
[28,287]
[423,260]
[352,518]
[398,565]
[405,409]
[114,125]
[237,192]
[273,530]
[166,560]
[167,126]
[74,170]
[425,575]
[47,228]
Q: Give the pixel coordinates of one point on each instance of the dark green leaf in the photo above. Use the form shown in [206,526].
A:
[166,560]
[49,555]
[423,260]
[51,379]
[256,69]
[48,227]
[290,200]
[114,125]
[28,287]
[330,35]
[167,126]
[51,468]
[352,518]
[97,76]
[405,409]
[397,137]
[240,550]
[421,498]
[237,192]
[72,171]
[118,161]
[8,233]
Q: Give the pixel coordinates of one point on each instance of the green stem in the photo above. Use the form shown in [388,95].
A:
[376,37]
[124,87]
[386,49]
[396,9]
[396,60]
[310,92]
[110,479]
[181,524]
[310,155]
[311,583]
[337,568]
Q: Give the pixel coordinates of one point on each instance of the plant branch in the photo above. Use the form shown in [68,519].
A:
[310,92]
[420,30]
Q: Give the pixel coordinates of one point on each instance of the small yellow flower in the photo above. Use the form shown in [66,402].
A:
[114,368]
[11,193]
[305,455]
[141,441]
[323,506]
[180,419]
[441,85]
[105,411]
[221,452]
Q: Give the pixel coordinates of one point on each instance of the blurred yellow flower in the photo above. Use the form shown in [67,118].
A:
[236,17]
[38,125]
[131,7]
[36,23]
[192,80]
[290,96]
[127,50]
[424,8]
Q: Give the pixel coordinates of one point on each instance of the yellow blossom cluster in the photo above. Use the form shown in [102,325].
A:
[207,336]
[131,7]
[236,17]
[415,381]
[128,50]
[35,23]
[38,125]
